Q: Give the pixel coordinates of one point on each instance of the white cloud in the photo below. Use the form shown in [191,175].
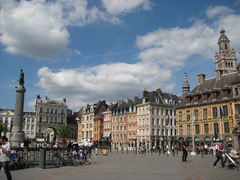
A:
[38,28]
[217,11]
[77,52]
[172,47]
[106,81]
[163,52]
[118,7]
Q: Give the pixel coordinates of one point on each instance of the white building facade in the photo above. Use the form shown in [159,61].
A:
[50,114]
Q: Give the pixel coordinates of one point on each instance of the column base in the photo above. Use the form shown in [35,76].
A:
[193,153]
[15,139]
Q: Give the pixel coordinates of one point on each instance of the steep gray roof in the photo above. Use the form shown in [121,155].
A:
[214,85]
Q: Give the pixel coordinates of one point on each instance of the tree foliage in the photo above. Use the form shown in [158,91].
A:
[63,132]
[3,128]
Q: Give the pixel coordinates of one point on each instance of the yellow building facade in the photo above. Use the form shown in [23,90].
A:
[214,103]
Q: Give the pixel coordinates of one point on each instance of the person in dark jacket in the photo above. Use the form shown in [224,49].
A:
[184,148]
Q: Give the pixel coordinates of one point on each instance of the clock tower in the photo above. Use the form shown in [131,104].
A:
[225,59]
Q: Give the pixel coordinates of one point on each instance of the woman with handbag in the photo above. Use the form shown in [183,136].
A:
[220,150]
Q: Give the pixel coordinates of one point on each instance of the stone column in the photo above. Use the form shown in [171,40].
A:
[17,135]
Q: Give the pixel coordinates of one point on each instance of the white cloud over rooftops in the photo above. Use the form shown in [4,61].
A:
[163,51]
[38,29]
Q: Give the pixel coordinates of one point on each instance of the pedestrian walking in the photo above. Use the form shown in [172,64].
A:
[142,148]
[206,149]
[184,149]
[5,149]
[226,148]
[220,150]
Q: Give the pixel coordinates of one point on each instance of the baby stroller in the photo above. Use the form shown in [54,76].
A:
[232,160]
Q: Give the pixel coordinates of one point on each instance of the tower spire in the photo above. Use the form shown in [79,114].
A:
[186,86]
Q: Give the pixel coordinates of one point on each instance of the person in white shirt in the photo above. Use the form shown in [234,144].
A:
[206,148]
[5,149]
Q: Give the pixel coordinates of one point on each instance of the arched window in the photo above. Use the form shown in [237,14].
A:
[225,46]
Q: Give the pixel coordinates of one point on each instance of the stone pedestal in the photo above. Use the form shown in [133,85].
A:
[193,153]
[17,135]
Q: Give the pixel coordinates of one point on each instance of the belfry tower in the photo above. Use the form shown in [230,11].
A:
[225,59]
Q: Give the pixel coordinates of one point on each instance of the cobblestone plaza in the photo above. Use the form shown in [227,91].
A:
[120,166]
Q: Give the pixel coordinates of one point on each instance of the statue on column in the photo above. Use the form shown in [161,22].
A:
[21,78]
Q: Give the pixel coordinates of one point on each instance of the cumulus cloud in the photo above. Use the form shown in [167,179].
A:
[38,28]
[117,7]
[172,47]
[106,81]
[163,52]
[218,11]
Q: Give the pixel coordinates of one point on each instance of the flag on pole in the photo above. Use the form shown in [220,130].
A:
[167,122]
[220,112]
[193,118]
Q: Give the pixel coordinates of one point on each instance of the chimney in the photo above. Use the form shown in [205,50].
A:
[128,100]
[145,92]
[135,99]
[159,91]
[201,78]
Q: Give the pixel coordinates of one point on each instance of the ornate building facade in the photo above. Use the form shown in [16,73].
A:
[50,114]
[214,103]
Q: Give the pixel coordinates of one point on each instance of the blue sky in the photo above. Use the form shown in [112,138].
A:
[110,50]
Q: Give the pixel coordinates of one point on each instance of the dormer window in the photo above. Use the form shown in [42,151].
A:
[195,98]
[214,95]
[188,100]
[205,97]
[236,91]
[225,93]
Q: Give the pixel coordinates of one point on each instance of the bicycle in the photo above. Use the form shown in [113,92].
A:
[17,162]
[89,157]
[59,161]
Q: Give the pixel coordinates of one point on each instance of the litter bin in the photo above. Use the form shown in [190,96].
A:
[42,158]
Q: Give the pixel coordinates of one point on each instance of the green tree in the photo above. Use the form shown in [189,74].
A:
[63,132]
[3,128]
